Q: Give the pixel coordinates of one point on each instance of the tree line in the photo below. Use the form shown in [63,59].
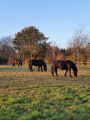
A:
[31,43]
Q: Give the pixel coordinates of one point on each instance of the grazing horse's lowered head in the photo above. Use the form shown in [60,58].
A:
[64,65]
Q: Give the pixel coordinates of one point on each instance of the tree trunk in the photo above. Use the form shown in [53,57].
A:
[77,55]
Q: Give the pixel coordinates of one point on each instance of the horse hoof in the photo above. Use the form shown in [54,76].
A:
[57,75]
[53,76]
[75,76]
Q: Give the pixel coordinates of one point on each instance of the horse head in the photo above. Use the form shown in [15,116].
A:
[75,72]
[45,67]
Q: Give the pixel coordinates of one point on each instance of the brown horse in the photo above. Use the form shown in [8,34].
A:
[40,63]
[64,65]
[18,62]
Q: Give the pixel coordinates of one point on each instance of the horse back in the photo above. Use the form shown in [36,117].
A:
[60,64]
[41,62]
[37,62]
[33,62]
[16,61]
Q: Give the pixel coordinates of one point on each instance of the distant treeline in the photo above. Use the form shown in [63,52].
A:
[31,43]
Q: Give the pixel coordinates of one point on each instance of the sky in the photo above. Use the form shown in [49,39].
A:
[57,19]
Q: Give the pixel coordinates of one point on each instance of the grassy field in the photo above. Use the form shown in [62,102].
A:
[36,95]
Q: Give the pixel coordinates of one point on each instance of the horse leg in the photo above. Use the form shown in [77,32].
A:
[30,68]
[21,64]
[52,70]
[18,64]
[69,68]
[13,64]
[41,69]
[56,71]
[66,73]
[38,68]
[70,72]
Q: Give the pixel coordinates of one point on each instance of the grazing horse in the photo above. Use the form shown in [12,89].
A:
[64,65]
[38,63]
[18,62]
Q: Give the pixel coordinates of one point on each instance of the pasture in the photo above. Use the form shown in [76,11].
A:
[37,95]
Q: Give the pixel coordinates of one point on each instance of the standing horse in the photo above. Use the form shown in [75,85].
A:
[64,65]
[18,62]
[38,63]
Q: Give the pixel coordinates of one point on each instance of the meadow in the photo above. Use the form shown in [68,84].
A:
[37,95]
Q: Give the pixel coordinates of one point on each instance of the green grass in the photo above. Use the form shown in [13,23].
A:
[36,95]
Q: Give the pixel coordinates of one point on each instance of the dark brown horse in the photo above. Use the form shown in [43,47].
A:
[39,63]
[18,62]
[64,65]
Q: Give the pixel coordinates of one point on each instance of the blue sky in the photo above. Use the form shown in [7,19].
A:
[57,19]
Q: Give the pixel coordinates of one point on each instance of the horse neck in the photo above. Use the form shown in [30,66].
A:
[30,62]
[44,64]
[74,67]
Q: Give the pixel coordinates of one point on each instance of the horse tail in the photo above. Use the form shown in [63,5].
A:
[30,65]
[52,70]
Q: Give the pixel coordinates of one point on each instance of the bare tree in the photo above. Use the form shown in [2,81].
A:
[80,40]
[6,49]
